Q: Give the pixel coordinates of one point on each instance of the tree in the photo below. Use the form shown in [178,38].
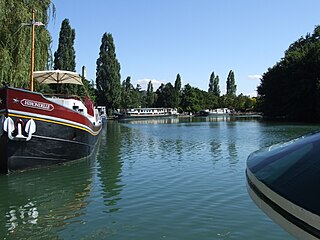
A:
[165,96]
[191,99]
[88,90]
[65,56]
[211,83]
[108,74]
[177,89]
[126,93]
[130,97]
[216,88]
[150,95]
[291,88]
[214,85]
[15,40]
[211,101]
[231,86]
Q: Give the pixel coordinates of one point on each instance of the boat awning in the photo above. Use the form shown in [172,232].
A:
[57,77]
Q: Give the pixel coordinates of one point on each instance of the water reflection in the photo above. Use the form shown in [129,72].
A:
[223,118]
[273,133]
[216,150]
[164,120]
[36,203]
[110,166]
[232,142]
[27,215]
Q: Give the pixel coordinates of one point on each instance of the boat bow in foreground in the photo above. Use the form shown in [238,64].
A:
[284,181]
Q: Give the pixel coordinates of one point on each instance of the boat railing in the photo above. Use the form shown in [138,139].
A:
[61,95]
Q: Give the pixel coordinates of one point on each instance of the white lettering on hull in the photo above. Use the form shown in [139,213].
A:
[37,105]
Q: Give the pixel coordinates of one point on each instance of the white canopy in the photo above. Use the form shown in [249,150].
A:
[57,77]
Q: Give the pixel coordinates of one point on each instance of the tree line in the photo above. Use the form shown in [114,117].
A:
[116,95]
[291,88]
[185,99]
[109,90]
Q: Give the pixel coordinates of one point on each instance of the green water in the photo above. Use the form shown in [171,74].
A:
[171,179]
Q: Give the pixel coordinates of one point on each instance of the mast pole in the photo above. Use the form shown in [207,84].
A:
[32,52]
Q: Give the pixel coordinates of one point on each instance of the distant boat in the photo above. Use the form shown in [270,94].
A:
[37,129]
[215,112]
[103,113]
[283,180]
[146,112]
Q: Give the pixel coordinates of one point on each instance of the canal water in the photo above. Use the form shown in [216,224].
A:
[179,178]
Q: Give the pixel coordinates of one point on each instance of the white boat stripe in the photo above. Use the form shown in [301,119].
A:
[50,118]
[299,212]
[279,219]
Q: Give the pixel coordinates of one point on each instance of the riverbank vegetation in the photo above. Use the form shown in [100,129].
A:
[113,94]
[291,88]
[15,40]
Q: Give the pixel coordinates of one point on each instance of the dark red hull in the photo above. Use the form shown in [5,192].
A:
[58,134]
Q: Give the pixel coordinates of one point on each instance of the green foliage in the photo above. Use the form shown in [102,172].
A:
[65,56]
[211,82]
[177,89]
[166,96]
[291,88]
[216,88]
[214,85]
[150,95]
[231,85]
[244,104]
[130,97]
[108,74]
[87,90]
[15,40]
[211,101]
[191,99]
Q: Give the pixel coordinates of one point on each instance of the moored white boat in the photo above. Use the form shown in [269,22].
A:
[215,112]
[147,112]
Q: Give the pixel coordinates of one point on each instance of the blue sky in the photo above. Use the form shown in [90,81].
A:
[157,39]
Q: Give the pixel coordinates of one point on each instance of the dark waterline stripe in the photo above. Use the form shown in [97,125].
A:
[288,216]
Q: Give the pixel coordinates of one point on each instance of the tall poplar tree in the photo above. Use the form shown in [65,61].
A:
[211,83]
[150,95]
[65,56]
[177,88]
[216,88]
[108,74]
[214,85]
[15,39]
[231,85]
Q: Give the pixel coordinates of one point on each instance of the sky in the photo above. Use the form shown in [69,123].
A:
[157,39]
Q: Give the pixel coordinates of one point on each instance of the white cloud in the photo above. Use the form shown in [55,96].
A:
[253,94]
[255,77]
[144,83]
